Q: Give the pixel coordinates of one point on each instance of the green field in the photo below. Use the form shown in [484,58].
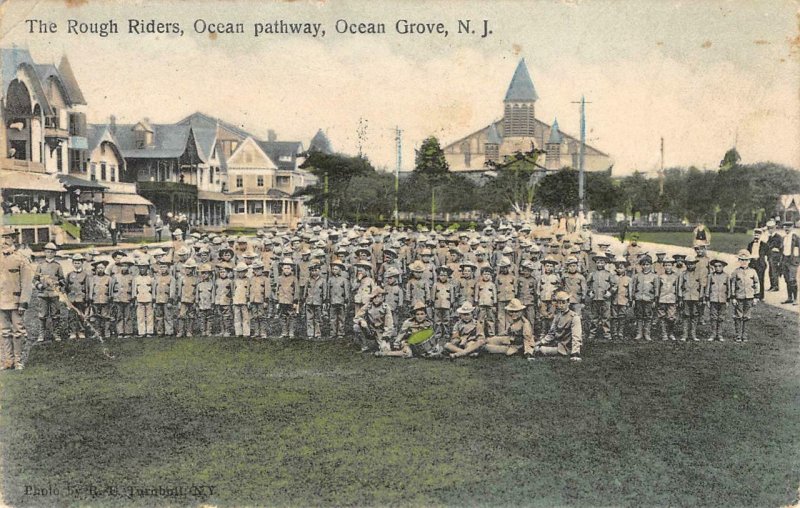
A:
[292,423]
[721,242]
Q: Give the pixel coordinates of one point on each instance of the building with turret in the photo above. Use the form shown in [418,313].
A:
[519,131]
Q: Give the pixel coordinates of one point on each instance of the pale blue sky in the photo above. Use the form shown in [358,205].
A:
[693,72]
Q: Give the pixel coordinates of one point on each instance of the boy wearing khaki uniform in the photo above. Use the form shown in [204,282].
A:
[314,298]
[240,299]
[188,298]
[601,287]
[486,301]
[644,290]
[203,300]
[620,299]
[100,298]
[338,298]
[565,336]
[165,298]
[122,296]
[287,294]
[717,292]
[49,280]
[77,289]
[506,287]
[692,290]
[144,295]
[744,288]
[668,297]
[259,296]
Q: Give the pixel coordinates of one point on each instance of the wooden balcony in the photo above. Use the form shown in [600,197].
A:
[52,132]
[21,165]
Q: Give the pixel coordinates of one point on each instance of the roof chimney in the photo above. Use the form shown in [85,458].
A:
[271,136]
[112,123]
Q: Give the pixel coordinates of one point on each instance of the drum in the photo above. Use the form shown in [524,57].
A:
[422,343]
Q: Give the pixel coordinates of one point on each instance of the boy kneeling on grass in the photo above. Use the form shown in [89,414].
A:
[399,346]
[565,337]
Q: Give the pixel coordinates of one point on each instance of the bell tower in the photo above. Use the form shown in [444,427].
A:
[518,110]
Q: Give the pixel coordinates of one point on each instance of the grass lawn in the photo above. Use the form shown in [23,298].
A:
[289,423]
[721,242]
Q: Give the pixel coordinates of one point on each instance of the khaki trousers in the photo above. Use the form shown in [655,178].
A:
[12,330]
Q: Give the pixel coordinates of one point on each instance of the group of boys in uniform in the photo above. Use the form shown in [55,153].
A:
[513,290]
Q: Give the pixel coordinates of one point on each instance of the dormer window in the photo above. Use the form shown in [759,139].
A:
[143,139]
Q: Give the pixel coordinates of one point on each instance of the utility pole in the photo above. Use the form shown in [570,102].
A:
[661,182]
[327,197]
[399,144]
[582,160]
[433,209]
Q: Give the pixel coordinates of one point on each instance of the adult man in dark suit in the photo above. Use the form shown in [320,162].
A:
[790,260]
[758,258]
[774,246]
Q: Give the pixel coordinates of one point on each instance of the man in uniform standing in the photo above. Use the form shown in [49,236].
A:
[15,291]
[790,261]
[758,259]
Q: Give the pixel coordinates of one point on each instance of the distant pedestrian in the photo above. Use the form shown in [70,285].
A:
[112,228]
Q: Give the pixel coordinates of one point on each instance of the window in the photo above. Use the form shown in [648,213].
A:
[260,181]
[77,124]
[139,139]
[211,173]
[113,169]
[255,207]
[238,207]
[276,207]
[93,172]
[76,161]
[239,182]
[282,181]
[103,176]
[60,159]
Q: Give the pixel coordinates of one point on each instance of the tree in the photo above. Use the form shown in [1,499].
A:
[602,193]
[513,186]
[558,192]
[430,160]
[730,159]
[639,194]
[371,194]
[339,170]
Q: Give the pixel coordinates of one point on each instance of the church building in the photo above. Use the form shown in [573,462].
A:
[518,131]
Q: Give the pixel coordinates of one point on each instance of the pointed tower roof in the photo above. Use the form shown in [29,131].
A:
[521,87]
[321,142]
[70,83]
[555,134]
[493,137]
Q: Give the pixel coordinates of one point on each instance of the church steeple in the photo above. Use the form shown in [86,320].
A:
[521,87]
[519,119]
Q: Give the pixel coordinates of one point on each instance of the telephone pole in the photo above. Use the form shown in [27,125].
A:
[661,183]
[399,145]
[582,159]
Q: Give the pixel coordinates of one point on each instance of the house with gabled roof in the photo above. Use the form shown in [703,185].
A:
[43,134]
[163,161]
[260,190]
